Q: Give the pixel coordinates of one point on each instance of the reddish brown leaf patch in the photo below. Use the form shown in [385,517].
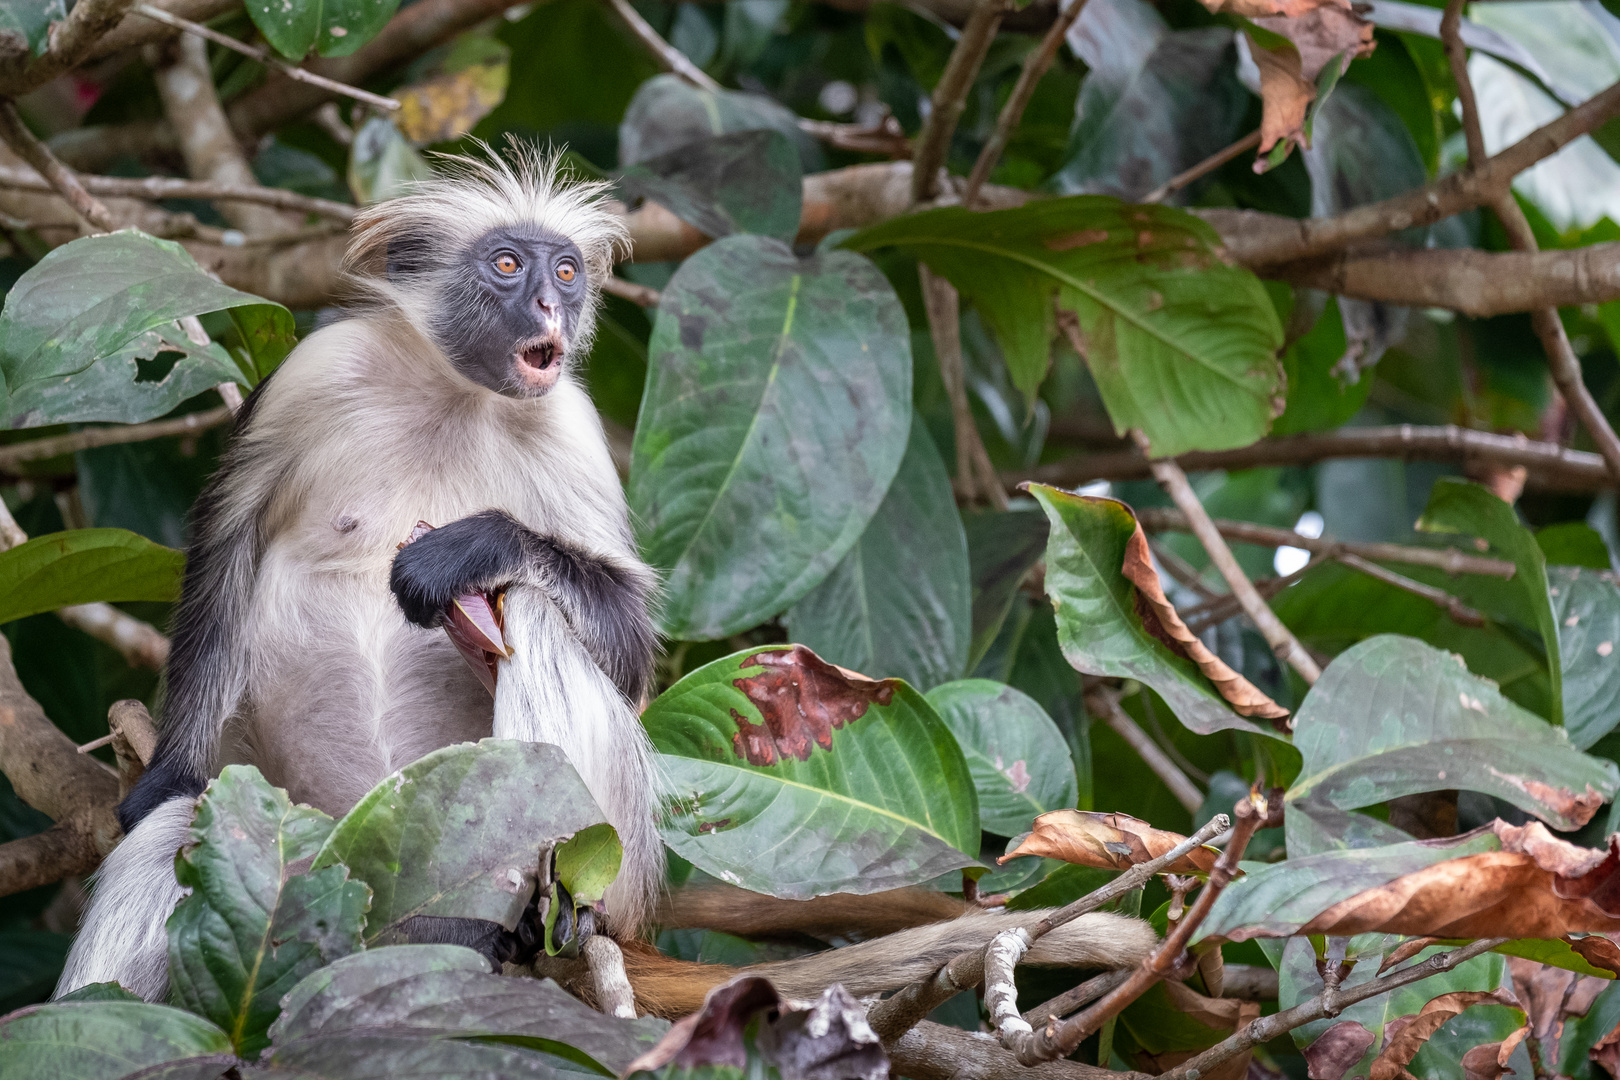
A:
[803,700]
[1488,1061]
[1336,1050]
[1159,618]
[1070,241]
[1404,1036]
[1288,76]
[1107,841]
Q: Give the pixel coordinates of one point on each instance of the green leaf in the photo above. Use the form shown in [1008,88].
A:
[1317,397]
[252,926]
[382,163]
[102,991]
[1181,345]
[458,833]
[81,566]
[330,27]
[1573,543]
[914,625]
[1586,609]
[102,1040]
[787,777]
[447,990]
[1457,506]
[28,22]
[1002,546]
[397,1056]
[775,416]
[1098,626]
[1392,716]
[747,181]
[668,112]
[89,333]
[1017,755]
[589,861]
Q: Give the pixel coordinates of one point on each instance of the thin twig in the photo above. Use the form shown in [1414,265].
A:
[1059,1038]
[165,187]
[629,290]
[1201,618]
[1036,65]
[950,97]
[1203,168]
[292,71]
[1279,637]
[1180,569]
[1105,703]
[1326,1004]
[74,441]
[668,56]
[62,179]
[974,472]
[895,1015]
[1460,612]
[1084,994]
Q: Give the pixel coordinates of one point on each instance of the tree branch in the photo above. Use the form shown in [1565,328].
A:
[1282,640]
[1036,65]
[164,187]
[71,42]
[930,1051]
[1549,465]
[1105,704]
[1203,168]
[950,97]
[1460,612]
[668,56]
[606,964]
[974,472]
[61,179]
[1330,1002]
[133,30]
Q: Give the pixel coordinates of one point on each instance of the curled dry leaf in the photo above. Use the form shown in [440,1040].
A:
[1488,1061]
[1107,841]
[1404,1036]
[1551,995]
[1288,76]
[1336,1049]
[1160,619]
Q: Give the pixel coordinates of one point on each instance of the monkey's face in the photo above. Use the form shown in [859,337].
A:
[513,312]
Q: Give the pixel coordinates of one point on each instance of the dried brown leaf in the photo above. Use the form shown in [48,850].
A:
[1288,76]
[1160,618]
[1405,951]
[447,106]
[1404,1036]
[1488,1061]
[1336,1050]
[1254,9]
[1108,841]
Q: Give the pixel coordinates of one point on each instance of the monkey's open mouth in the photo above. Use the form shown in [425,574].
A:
[539,363]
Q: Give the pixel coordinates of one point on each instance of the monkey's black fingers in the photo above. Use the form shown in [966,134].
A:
[481,553]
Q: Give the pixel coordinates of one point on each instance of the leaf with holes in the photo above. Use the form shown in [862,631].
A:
[1019,761]
[81,566]
[89,333]
[329,27]
[788,776]
[458,833]
[1182,345]
[775,416]
[1099,622]
[912,626]
[253,926]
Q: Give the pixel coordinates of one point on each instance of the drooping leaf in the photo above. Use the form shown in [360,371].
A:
[1496,877]
[668,112]
[1294,53]
[329,27]
[447,990]
[1586,610]
[1019,761]
[747,181]
[777,406]
[252,926]
[459,832]
[790,777]
[80,566]
[1181,345]
[89,333]
[103,1040]
[1109,842]
[914,625]
[1098,622]
[1392,716]
[1002,546]
[589,861]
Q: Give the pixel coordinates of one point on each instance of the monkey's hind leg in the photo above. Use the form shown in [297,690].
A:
[122,938]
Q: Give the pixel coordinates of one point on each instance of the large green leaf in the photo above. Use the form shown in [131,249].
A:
[28,22]
[746,181]
[1017,755]
[103,1040]
[397,1056]
[252,926]
[1182,345]
[775,416]
[1098,625]
[89,333]
[447,990]
[80,566]
[1393,716]
[330,27]
[668,112]
[1457,506]
[789,777]
[912,625]
[1002,546]
[459,832]
[1586,610]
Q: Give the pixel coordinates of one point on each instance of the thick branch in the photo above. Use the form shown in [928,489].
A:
[931,1051]
[71,41]
[606,964]
[950,97]
[135,30]
[164,187]
[1281,639]
[1549,465]
[68,847]
[61,179]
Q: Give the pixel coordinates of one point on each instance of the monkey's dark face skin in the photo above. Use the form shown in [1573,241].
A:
[511,314]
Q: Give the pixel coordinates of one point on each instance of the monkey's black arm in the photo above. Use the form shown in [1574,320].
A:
[605,601]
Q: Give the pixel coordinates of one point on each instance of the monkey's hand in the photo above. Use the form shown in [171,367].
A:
[485,552]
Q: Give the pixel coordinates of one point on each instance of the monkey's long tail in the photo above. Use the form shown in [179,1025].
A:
[671,988]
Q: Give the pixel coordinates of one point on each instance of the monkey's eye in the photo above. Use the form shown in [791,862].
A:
[506,264]
[565,272]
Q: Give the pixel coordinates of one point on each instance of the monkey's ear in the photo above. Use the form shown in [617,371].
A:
[408,255]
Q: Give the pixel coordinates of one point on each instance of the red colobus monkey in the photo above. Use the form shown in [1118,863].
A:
[305,640]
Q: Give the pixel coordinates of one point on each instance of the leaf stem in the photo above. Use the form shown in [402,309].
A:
[62,179]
